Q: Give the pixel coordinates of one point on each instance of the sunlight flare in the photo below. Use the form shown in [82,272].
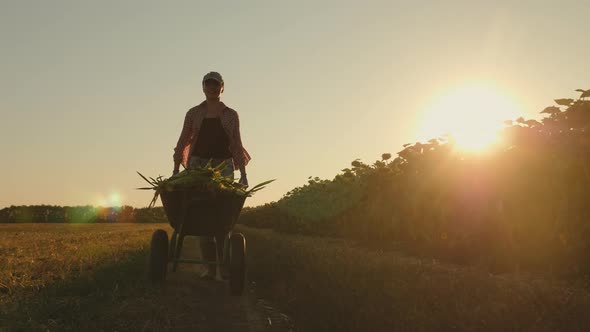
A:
[113,199]
[471,115]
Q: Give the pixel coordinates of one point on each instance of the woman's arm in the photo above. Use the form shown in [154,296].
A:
[240,155]
[183,140]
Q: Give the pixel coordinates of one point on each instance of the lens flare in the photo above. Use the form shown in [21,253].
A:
[115,199]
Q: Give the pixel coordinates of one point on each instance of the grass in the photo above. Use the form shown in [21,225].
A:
[71,277]
[60,277]
[333,285]
[68,276]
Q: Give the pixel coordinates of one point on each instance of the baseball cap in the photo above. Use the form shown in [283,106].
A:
[213,75]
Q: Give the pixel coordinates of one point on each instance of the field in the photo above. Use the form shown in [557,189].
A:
[336,285]
[92,277]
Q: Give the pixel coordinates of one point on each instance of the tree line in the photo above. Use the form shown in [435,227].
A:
[81,214]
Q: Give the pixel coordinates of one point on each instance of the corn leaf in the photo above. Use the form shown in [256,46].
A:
[208,178]
[255,188]
[148,181]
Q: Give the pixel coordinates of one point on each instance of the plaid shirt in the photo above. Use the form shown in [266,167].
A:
[190,131]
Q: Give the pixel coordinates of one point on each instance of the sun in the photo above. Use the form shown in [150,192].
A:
[471,115]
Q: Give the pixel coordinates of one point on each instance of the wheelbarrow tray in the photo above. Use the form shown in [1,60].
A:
[202,213]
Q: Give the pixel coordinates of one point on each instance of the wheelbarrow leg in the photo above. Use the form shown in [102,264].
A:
[178,237]
[177,252]
[172,250]
[224,259]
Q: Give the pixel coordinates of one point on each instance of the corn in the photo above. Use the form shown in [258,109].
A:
[207,179]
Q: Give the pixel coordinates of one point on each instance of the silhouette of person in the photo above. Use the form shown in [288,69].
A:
[211,132]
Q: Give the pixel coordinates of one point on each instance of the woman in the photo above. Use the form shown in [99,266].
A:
[211,131]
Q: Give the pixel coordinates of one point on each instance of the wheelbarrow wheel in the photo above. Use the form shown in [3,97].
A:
[158,256]
[237,264]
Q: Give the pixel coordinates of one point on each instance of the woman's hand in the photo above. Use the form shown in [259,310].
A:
[176,168]
[243,180]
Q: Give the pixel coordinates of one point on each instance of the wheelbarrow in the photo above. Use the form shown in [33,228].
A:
[198,213]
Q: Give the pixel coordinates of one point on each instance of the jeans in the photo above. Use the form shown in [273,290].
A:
[212,247]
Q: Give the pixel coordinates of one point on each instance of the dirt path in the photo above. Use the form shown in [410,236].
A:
[207,306]
[187,303]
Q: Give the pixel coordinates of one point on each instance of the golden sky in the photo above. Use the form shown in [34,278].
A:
[93,92]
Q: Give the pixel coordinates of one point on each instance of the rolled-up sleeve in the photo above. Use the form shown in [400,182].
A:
[239,153]
[184,139]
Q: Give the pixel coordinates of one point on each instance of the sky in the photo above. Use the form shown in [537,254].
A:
[93,91]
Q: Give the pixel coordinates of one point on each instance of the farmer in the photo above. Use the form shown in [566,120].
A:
[211,131]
